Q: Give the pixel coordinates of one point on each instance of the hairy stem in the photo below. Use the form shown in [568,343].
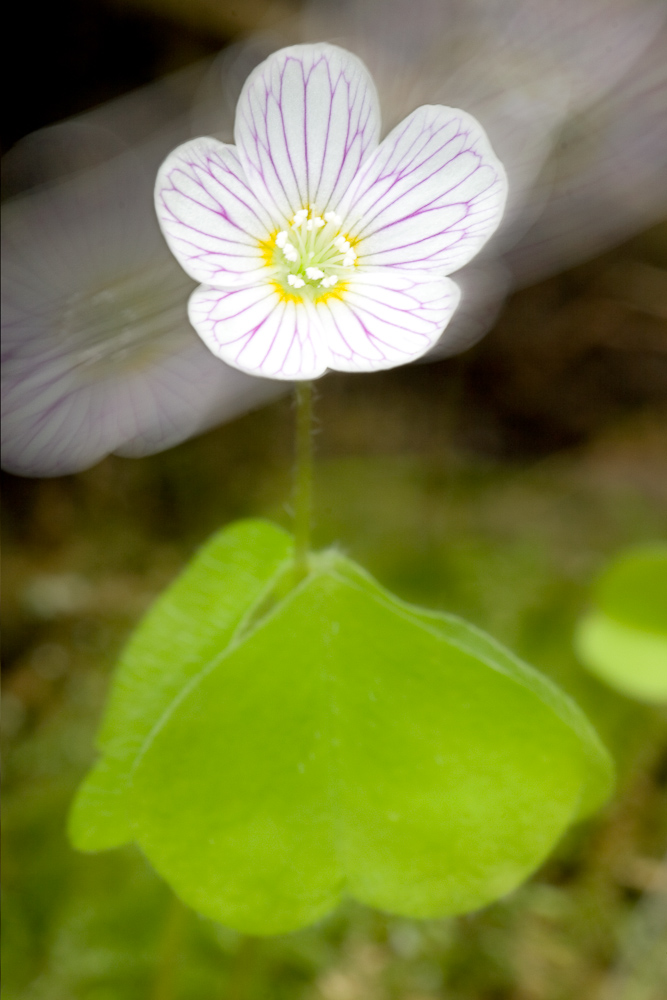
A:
[303,477]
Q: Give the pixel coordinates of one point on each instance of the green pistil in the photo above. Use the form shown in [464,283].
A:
[315,245]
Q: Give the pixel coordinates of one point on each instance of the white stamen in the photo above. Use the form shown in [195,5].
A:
[309,260]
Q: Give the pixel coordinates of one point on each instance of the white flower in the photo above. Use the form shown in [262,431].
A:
[319,247]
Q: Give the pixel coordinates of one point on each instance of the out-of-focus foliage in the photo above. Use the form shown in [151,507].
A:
[624,640]
[510,547]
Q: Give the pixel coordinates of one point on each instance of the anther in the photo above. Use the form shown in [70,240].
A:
[295,281]
[281,239]
[333,217]
[314,272]
[329,282]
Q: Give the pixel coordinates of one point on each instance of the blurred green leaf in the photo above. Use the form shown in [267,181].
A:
[633,589]
[624,640]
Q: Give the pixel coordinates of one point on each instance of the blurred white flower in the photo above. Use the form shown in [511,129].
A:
[572,96]
[98,355]
[607,177]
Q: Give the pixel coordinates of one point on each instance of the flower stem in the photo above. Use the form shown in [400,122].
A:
[303,477]
[170,951]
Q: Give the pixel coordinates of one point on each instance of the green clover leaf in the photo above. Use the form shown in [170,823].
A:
[187,626]
[329,739]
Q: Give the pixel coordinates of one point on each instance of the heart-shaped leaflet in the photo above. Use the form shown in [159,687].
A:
[272,748]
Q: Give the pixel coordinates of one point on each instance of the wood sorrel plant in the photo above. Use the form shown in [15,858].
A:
[282,730]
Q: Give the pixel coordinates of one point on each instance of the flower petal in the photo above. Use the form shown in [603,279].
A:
[211,219]
[306,120]
[260,330]
[386,317]
[46,427]
[431,194]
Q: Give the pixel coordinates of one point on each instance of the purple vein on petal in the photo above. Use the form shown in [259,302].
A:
[305,122]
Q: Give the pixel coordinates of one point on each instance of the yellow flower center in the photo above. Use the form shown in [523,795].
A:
[312,257]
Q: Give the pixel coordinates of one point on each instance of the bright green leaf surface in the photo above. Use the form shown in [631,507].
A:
[633,589]
[191,623]
[633,661]
[461,633]
[350,744]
